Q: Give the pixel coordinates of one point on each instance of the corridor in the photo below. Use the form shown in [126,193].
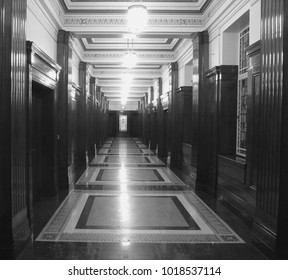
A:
[129,205]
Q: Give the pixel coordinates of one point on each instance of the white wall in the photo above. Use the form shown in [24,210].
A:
[40,30]
[188,74]
[165,79]
[255,21]
[130,106]
[224,32]
[156,89]
[214,51]
[75,69]
[230,48]
[184,59]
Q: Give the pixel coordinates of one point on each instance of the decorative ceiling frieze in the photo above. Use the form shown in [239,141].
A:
[120,7]
[100,29]
[96,21]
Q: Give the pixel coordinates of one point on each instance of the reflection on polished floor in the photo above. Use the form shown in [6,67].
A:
[128,205]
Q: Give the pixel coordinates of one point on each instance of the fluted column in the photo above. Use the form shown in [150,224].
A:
[270,224]
[199,139]
[13,127]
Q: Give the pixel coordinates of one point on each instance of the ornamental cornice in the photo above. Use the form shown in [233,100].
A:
[121,55]
[136,73]
[212,10]
[118,88]
[104,83]
[153,21]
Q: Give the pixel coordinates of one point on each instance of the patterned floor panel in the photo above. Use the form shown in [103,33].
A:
[179,217]
[136,161]
[129,176]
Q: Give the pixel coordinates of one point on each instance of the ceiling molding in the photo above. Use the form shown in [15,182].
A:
[122,21]
[105,82]
[119,73]
[154,7]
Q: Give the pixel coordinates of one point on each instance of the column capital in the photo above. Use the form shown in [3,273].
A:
[92,80]
[63,36]
[82,65]
[173,66]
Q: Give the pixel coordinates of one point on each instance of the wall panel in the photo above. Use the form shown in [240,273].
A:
[271,164]
[13,126]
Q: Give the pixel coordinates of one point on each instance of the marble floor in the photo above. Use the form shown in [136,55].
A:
[128,205]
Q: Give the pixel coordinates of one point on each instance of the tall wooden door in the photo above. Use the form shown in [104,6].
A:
[42,142]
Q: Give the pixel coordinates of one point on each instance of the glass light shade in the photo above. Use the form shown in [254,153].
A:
[127,78]
[130,60]
[123,101]
[137,18]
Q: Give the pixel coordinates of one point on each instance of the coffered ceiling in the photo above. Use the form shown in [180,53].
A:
[101,28]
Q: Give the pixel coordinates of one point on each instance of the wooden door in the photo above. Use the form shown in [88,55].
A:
[42,142]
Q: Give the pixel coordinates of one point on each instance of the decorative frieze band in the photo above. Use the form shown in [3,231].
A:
[123,21]
[170,56]
[116,83]
[98,73]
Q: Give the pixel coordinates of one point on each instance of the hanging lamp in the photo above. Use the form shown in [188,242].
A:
[137,18]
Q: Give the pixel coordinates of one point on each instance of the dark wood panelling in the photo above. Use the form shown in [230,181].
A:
[200,67]
[6,237]
[90,117]
[112,124]
[64,59]
[231,172]
[73,131]
[43,157]
[13,127]
[218,114]
[134,124]
[172,123]
[154,125]
[254,55]
[42,81]
[282,227]
[271,162]
[163,113]
[81,114]
[18,110]
[187,118]
[178,109]
[227,110]
[93,116]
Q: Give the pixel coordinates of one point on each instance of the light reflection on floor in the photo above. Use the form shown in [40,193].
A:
[131,215]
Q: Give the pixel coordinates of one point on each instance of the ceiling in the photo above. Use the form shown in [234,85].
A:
[101,28]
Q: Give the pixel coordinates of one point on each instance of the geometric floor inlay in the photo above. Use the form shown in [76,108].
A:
[129,176]
[138,175]
[137,217]
[108,160]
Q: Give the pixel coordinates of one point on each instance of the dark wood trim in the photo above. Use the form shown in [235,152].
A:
[254,75]
[171,125]
[217,124]
[43,70]
[271,133]
[282,219]
[64,59]
[200,67]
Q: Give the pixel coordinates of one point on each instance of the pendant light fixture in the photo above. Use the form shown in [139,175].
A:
[130,57]
[137,18]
